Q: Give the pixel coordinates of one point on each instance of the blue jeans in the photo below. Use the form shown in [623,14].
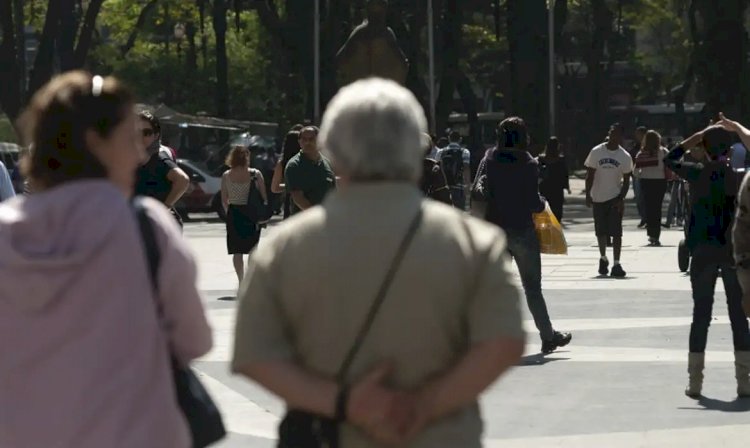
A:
[523,246]
[706,264]
[458,196]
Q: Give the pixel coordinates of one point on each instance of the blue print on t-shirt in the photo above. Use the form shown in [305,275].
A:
[607,161]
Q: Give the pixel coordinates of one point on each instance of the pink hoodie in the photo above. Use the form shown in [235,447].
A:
[83,360]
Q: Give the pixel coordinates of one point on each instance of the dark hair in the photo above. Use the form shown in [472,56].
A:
[313,129]
[297,127]
[618,126]
[57,119]
[641,129]
[454,137]
[238,156]
[651,142]
[152,121]
[717,141]
[553,147]
[442,142]
[512,133]
[290,147]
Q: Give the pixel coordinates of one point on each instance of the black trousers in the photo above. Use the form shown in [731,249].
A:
[555,197]
[706,264]
[653,191]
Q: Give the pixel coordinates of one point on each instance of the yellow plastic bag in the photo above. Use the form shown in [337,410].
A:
[550,233]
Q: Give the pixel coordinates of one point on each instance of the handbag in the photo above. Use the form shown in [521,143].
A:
[478,195]
[301,429]
[257,210]
[201,414]
[549,232]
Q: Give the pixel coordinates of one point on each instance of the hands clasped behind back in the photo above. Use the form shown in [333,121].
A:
[386,414]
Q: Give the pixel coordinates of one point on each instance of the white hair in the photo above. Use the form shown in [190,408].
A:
[372,130]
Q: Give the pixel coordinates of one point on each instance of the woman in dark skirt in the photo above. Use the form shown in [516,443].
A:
[237,183]
[554,171]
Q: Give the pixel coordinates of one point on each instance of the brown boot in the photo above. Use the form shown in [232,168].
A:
[742,373]
[696,362]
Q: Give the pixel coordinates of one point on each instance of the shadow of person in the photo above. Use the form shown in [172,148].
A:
[713,404]
[539,359]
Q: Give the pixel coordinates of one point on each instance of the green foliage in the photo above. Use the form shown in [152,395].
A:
[7,133]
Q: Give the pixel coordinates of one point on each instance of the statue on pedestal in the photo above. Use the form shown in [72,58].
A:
[372,50]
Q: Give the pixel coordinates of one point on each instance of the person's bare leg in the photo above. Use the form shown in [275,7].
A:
[602,240]
[239,266]
[617,248]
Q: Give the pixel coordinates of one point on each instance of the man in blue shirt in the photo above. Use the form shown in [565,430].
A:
[6,185]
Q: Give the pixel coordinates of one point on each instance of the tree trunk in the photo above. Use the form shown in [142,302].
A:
[220,9]
[722,66]
[451,53]
[67,36]
[44,63]
[527,36]
[139,23]
[11,93]
[18,17]
[596,104]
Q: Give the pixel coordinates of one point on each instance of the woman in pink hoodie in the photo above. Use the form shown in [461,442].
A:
[84,357]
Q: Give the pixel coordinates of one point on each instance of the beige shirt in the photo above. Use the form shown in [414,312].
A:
[310,286]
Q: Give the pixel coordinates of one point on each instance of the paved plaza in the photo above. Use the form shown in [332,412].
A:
[618,384]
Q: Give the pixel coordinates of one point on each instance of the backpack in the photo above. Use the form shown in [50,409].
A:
[452,161]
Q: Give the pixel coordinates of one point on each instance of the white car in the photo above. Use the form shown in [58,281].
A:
[204,193]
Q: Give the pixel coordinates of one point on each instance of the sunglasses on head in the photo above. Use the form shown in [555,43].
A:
[148,132]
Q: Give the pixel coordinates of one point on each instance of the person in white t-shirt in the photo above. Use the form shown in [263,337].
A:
[608,170]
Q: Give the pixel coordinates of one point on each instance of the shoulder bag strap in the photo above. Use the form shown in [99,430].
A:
[153,256]
[380,297]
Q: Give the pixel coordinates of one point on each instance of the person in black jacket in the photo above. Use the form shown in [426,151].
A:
[554,177]
[512,190]
[713,186]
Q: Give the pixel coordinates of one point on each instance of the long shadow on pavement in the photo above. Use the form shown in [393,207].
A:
[713,404]
[538,359]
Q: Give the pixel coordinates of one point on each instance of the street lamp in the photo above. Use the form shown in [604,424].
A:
[316,63]
[552,67]
[431,45]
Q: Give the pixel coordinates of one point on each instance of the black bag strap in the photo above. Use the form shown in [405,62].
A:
[380,297]
[153,256]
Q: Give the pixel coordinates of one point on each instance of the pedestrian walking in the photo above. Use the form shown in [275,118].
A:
[86,356]
[308,175]
[244,216]
[422,343]
[640,133]
[512,190]
[652,176]
[608,171]
[290,149]
[456,163]
[712,204]
[159,177]
[553,168]
[433,183]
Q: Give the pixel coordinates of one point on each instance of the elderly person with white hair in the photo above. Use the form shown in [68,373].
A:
[379,317]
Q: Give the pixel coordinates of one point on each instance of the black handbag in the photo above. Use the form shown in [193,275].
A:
[301,429]
[201,414]
[257,210]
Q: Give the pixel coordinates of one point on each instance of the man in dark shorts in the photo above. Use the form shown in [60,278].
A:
[308,175]
[160,177]
[609,168]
